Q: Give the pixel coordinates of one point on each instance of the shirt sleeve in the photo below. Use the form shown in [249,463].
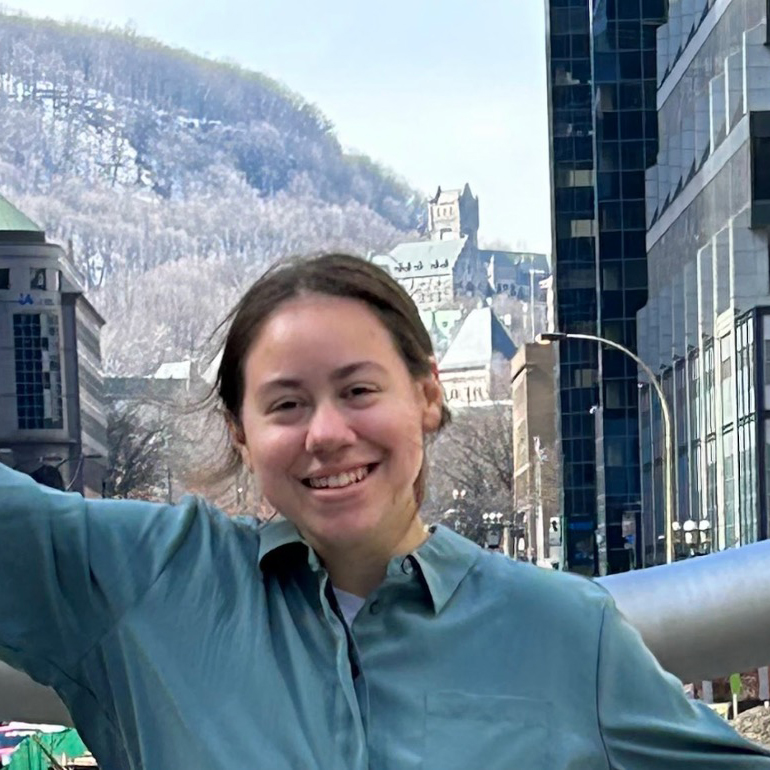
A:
[647,722]
[70,567]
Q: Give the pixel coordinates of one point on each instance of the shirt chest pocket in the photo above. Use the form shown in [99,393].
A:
[467,732]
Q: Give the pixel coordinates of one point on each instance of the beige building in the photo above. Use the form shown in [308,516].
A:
[535,459]
[435,273]
[475,368]
[454,214]
[52,421]
[451,266]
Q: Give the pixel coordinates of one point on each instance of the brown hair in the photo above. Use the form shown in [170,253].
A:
[335,275]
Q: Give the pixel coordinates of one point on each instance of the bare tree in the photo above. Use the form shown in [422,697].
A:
[136,454]
[471,469]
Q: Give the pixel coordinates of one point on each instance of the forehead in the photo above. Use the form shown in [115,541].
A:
[322,331]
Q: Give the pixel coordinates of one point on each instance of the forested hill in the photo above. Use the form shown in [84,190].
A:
[144,156]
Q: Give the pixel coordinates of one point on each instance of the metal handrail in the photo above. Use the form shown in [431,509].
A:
[704,617]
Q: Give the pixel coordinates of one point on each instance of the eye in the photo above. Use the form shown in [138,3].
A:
[360,391]
[287,405]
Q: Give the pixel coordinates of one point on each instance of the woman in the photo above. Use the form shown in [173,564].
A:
[344,636]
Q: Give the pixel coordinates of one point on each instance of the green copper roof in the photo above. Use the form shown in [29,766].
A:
[13,221]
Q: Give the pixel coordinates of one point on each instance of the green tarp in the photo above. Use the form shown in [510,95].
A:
[29,755]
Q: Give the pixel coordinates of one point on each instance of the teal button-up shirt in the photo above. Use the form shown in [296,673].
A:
[180,638]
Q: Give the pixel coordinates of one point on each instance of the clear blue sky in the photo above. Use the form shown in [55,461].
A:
[441,91]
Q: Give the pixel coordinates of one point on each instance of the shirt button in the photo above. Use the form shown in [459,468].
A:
[407,566]
[375,607]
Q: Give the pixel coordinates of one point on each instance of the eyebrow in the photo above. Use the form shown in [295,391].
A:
[338,374]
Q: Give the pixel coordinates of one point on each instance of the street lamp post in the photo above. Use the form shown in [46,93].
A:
[496,531]
[550,337]
[460,522]
[540,456]
[693,537]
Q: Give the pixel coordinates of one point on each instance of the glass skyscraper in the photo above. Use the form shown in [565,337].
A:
[602,68]
[706,327]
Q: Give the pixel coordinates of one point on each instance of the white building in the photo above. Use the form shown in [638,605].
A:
[52,421]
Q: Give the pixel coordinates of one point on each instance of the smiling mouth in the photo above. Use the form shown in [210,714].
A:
[340,480]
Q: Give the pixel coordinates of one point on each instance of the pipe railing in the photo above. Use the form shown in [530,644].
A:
[703,618]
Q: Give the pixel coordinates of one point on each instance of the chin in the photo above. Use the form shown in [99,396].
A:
[345,530]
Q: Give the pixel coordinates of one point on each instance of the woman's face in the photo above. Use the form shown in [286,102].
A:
[333,422]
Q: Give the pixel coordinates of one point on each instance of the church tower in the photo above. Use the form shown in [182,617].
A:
[454,214]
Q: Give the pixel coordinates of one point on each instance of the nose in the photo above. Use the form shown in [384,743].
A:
[328,430]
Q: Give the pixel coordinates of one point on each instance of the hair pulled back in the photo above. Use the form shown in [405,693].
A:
[335,275]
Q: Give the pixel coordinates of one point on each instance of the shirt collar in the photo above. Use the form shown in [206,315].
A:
[443,560]
[283,536]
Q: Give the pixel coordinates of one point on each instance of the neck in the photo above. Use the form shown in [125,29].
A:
[359,569]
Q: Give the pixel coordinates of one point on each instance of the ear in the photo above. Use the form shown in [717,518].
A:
[239,441]
[432,399]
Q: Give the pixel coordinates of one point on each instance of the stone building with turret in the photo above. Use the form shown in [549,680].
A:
[450,266]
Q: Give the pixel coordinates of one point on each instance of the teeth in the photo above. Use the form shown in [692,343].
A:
[340,480]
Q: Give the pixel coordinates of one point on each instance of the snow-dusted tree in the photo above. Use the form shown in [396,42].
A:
[176,180]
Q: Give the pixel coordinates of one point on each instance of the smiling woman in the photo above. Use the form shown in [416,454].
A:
[346,634]
[334,391]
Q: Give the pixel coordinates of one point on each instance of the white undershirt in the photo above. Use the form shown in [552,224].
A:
[350,604]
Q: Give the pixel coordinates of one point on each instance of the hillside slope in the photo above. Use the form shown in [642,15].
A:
[147,158]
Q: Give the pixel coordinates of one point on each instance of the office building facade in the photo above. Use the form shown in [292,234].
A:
[52,419]
[706,327]
[602,99]
[535,462]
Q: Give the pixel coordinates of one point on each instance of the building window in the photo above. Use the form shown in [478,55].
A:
[745,367]
[708,374]
[614,395]
[747,483]
[761,168]
[645,440]
[582,228]
[767,16]
[695,410]
[37,278]
[613,330]
[680,404]
[767,464]
[711,482]
[696,483]
[5,278]
[38,371]
[575,178]
[577,278]
[584,378]
[726,379]
[611,278]
[728,475]
[767,361]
